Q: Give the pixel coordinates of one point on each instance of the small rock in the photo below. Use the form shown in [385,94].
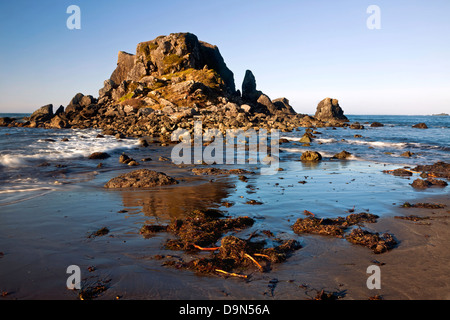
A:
[311,156]
[407,154]
[99,155]
[342,155]
[142,178]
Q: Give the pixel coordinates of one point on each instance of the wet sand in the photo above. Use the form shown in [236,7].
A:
[41,237]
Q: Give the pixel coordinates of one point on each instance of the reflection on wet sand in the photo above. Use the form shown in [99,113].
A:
[166,203]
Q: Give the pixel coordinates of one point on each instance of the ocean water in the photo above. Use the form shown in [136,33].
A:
[36,161]
[382,144]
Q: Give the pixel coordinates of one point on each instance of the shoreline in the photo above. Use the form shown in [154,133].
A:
[38,246]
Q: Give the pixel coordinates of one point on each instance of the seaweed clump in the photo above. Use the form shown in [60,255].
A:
[424,205]
[378,243]
[437,170]
[332,227]
[337,227]
[200,231]
[238,255]
[203,228]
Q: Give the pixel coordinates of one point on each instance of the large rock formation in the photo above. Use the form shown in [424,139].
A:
[328,110]
[171,54]
[169,83]
[261,101]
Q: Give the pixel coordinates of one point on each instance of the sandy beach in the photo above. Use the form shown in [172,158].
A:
[42,236]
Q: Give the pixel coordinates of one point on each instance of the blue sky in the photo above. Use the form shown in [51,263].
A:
[302,50]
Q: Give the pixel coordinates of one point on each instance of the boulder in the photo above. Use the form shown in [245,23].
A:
[59,111]
[145,112]
[282,105]
[87,101]
[422,184]
[356,126]
[311,156]
[44,113]
[407,154]
[246,108]
[5,121]
[376,124]
[99,155]
[420,126]
[329,109]
[265,105]
[142,178]
[108,86]
[306,138]
[76,99]
[74,104]
[342,155]
[58,122]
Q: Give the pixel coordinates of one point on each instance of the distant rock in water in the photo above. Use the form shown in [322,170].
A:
[421,125]
[328,109]
[142,178]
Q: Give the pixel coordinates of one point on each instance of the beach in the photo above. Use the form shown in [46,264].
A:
[42,235]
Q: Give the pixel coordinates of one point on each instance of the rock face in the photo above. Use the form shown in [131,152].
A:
[168,55]
[99,155]
[328,109]
[142,178]
[249,92]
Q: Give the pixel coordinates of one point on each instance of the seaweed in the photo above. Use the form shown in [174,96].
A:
[200,231]
[338,226]
[424,205]
[333,227]
[378,243]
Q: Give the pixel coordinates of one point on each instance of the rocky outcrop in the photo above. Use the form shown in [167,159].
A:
[168,55]
[328,110]
[142,178]
[282,104]
[261,102]
[170,82]
[4,121]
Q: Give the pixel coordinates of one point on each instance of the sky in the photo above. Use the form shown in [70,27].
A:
[302,50]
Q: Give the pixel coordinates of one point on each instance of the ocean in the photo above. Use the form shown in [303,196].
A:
[36,161]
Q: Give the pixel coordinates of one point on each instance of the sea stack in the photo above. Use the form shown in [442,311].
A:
[329,110]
